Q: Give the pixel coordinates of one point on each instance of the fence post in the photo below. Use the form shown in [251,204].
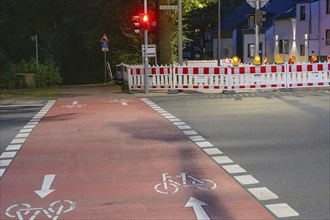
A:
[172,78]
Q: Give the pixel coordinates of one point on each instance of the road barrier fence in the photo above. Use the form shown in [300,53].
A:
[226,78]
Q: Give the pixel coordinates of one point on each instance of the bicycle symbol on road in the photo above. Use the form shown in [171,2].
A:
[170,186]
[25,211]
[74,104]
[121,101]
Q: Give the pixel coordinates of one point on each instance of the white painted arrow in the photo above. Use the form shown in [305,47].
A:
[45,187]
[197,206]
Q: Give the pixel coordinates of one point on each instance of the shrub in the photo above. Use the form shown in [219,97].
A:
[46,75]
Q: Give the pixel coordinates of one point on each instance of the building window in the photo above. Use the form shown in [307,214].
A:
[327,37]
[302,12]
[283,46]
[251,50]
[328,6]
[302,49]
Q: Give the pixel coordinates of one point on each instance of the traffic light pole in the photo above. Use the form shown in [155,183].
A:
[146,61]
[256,51]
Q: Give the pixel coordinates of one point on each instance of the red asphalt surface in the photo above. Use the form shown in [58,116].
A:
[107,158]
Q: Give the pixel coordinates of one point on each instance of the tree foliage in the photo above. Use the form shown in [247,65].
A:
[69,33]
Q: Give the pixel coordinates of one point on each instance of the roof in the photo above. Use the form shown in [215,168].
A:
[274,9]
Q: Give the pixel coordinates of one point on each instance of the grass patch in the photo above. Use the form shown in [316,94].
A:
[40,93]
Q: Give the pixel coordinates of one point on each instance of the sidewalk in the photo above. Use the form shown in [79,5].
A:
[103,154]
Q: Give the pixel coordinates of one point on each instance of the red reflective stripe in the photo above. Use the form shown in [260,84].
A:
[320,84]
[206,70]
[263,86]
[241,70]
[299,68]
[242,87]
[252,69]
[216,70]
[153,70]
[206,87]
[262,69]
[319,67]
[310,84]
[274,85]
[184,70]
[195,70]
[299,84]
[252,86]
[195,87]
[138,72]
[310,67]
[161,71]
[216,87]
[273,69]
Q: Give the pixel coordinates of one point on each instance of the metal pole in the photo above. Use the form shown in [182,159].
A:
[105,66]
[256,51]
[146,61]
[180,47]
[219,33]
[37,49]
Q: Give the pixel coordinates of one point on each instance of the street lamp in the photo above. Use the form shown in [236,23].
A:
[35,38]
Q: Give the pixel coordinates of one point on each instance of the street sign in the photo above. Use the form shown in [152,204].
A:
[254,2]
[151,51]
[168,7]
[104,38]
[105,45]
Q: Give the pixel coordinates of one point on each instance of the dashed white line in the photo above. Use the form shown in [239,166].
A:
[12,149]
[232,169]
[222,159]
[262,193]
[281,210]
[212,151]
[246,179]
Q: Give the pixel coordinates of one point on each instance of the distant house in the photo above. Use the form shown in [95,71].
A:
[299,28]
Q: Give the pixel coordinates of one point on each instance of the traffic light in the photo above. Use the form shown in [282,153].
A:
[259,16]
[136,23]
[144,21]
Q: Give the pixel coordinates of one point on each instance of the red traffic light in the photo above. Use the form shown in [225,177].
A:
[144,21]
[136,23]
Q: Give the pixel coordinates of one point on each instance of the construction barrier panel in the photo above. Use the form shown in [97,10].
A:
[228,77]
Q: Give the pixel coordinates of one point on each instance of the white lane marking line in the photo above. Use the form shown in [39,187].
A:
[173,119]
[263,193]
[4,163]
[212,151]
[204,144]
[222,159]
[179,123]
[8,155]
[2,171]
[282,210]
[166,114]
[29,126]
[189,132]
[197,138]
[13,147]
[28,130]
[246,179]
[32,123]
[169,116]
[22,135]
[18,141]
[184,127]
[234,169]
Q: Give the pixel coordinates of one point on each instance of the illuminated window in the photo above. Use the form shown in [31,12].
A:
[327,37]
[283,46]
[302,12]
[328,6]
[302,49]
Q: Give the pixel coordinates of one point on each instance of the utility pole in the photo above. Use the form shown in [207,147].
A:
[257,28]
[180,47]
[146,61]
[219,32]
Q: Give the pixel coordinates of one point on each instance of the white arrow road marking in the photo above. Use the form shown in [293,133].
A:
[45,187]
[197,206]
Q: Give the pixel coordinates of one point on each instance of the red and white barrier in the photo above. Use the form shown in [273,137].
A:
[309,75]
[230,78]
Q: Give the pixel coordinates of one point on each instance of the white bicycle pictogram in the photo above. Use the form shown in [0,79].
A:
[168,185]
[26,211]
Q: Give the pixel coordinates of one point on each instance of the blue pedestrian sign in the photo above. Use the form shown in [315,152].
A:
[105,43]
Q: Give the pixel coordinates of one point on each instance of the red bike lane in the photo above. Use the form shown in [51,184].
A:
[116,158]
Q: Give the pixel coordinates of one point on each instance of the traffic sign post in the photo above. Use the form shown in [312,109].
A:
[105,47]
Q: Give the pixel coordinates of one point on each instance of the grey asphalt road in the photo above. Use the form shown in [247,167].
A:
[280,138]
[14,116]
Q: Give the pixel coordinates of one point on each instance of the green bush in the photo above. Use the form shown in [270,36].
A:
[46,75]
